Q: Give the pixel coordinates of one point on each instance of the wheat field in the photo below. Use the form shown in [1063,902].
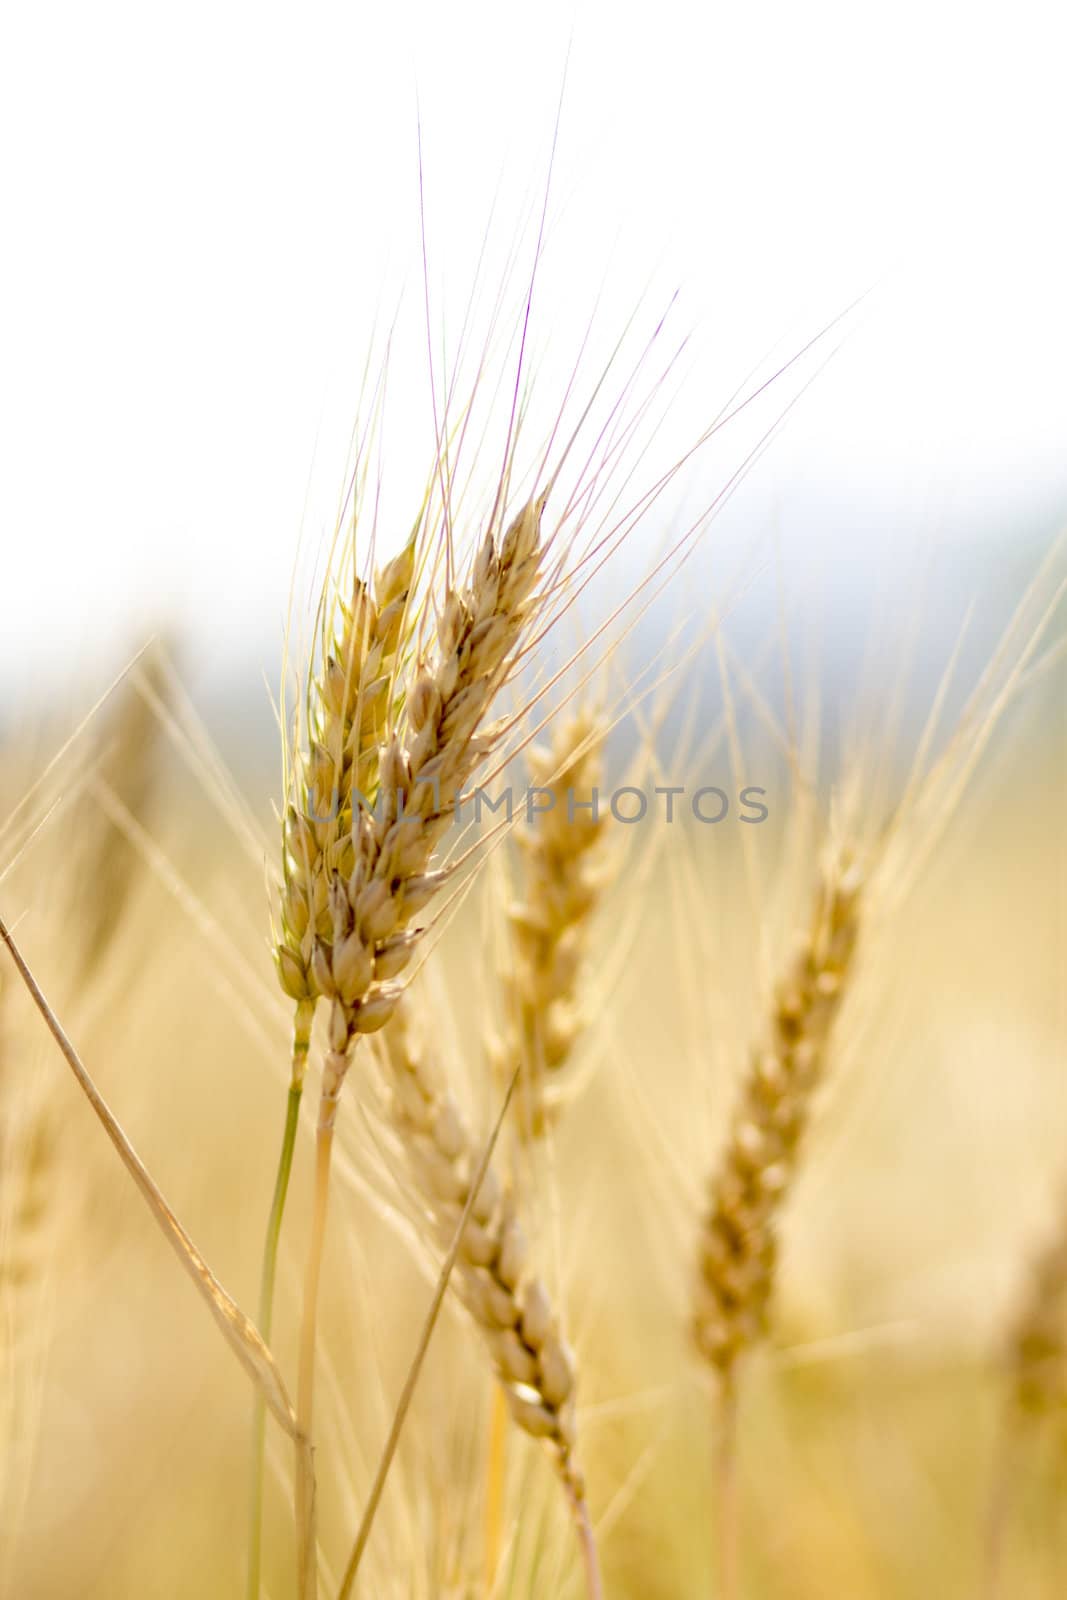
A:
[849,1206]
[603,1082]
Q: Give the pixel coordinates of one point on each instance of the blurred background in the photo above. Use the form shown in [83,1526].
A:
[216,218]
[210,214]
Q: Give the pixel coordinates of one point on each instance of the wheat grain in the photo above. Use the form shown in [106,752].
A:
[351,702]
[739,1237]
[510,1305]
[508,1302]
[423,769]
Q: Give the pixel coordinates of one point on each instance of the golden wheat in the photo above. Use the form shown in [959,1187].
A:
[509,1303]
[422,770]
[739,1237]
[562,876]
[351,704]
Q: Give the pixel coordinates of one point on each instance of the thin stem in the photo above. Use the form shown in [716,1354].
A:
[305,1012]
[726,1501]
[494,1486]
[587,1542]
[305,1508]
[425,1335]
[243,1337]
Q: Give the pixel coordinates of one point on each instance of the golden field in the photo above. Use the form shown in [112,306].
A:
[870,1428]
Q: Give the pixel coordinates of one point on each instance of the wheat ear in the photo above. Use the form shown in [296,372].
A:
[27,1194]
[423,769]
[562,876]
[508,1303]
[739,1238]
[1038,1342]
[1036,1361]
[739,1242]
[25,1141]
[560,880]
[128,757]
[351,701]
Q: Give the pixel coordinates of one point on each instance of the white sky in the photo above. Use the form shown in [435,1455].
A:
[205,207]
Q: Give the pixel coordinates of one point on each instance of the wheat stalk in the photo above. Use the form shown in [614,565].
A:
[238,1330]
[561,877]
[738,1252]
[507,1301]
[423,768]
[351,702]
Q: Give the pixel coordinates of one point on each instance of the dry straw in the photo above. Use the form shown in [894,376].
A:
[237,1329]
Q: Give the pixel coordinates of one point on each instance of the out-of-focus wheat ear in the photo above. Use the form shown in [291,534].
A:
[1037,1345]
[27,1159]
[562,872]
[739,1240]
[494,1276]
[27,1242]
[1035,1367]
[128,759]
[562,875]
[27,1212]
[384,879]
[738,1253]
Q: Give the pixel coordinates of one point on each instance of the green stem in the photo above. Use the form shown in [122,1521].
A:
[268,1274]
